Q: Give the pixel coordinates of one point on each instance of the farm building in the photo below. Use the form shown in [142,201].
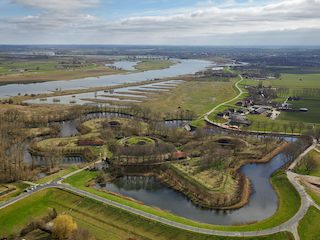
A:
[237,119]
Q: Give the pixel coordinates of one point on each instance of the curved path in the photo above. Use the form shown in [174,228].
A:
[290,225]
[223,126]
[229,101]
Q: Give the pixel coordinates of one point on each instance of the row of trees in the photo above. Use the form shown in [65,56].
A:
[144,113]
[14,141]
[12,145]
[290,127]
[297,147]
[303,92]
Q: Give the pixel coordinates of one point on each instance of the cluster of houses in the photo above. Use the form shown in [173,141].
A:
[287,107]
[238,117]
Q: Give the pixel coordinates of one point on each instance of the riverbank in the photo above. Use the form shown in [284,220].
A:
[184,67]
[265,159]
[57,75]
[20,99]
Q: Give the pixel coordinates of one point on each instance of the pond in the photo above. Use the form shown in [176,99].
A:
[263,201]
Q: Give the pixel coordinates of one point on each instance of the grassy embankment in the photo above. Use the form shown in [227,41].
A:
[289,203]
[147,65]
[103,221]
[19,187]
[310,165]
[314,195]
[92,132]
[64,68]
[57,175]
[70,144]
[30,70]
[219,179]
[137,140]
[308,228]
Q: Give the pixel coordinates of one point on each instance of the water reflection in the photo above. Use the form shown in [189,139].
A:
[123,94]
[189,66]
[263,201]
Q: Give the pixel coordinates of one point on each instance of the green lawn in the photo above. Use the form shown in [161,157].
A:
[309,226]
[102,221]
[289,203]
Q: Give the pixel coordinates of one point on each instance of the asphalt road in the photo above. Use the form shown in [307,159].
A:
[290,225]
[287,226]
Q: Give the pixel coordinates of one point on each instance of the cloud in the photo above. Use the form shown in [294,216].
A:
[54,15]
[58,5]
[269,23]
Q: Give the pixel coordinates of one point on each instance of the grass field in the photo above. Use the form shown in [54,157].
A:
[263,123]
[49,70]
[147,65]
[292,81]
[196,96]
[294,69]
[289,202]
[312,116]
[104,222]
[309,226]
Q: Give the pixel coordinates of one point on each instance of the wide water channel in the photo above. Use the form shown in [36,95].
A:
[183,67]
[263,201]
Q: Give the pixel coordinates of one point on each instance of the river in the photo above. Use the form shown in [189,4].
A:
[263,201]
[183,67]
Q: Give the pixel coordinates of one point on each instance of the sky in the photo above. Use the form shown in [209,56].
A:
[161,22]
